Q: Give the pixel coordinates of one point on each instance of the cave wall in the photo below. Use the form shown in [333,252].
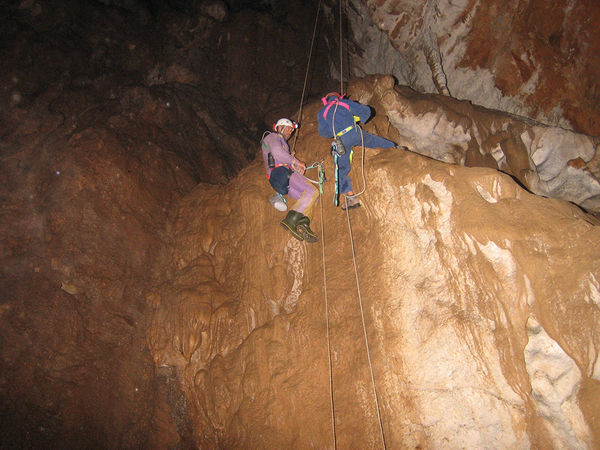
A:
[480,305]
[110,113]
[534,59]
[549,161]
[148,296]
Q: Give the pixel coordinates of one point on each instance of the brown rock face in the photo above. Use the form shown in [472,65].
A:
[543,53]
[150,299]
[467,322]
[83,218]
[109,115]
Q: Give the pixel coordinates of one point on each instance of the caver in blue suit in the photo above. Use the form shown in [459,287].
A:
[337,119]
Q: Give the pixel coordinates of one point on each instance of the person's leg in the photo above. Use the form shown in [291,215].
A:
[344,182]
[374,141]
[306,195]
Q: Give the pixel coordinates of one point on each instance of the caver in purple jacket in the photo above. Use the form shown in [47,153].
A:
[336,118]
[283,178]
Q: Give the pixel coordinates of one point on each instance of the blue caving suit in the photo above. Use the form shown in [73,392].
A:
[344,110]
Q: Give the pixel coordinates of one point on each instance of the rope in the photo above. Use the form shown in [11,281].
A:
[341,48]
[362,315]
[312,43]
[362,163]
[327,326]
[293,152]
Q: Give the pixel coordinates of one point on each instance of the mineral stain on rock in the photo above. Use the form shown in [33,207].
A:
[149,297]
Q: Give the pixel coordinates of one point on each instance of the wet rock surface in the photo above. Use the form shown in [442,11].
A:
[476,334]
[149,297]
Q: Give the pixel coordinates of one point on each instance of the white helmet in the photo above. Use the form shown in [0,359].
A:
[285,123]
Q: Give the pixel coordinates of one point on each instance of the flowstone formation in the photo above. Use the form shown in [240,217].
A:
[149,298]
[549,161]
[480,303]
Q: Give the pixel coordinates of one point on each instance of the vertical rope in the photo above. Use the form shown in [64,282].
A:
[293,152]
[334,438]
[312,43]
[362,315]
[341,51]
[333,429]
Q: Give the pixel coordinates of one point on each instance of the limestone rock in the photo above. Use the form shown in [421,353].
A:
[524,58]
[149,298]
[550,161]
[452,265]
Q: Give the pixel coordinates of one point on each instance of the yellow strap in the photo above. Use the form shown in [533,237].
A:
[345,130]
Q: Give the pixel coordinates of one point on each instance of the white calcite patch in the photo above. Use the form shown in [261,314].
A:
[555,380]
[593,290]
[596,369]
[501,260]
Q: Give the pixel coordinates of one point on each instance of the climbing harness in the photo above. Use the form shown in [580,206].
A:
[331,103]
[344,131]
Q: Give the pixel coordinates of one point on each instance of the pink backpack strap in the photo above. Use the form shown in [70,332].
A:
[345,105]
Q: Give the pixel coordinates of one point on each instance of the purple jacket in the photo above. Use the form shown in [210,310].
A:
[279,148]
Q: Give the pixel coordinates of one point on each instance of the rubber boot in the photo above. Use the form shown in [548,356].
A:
[290,223]
[304,230]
